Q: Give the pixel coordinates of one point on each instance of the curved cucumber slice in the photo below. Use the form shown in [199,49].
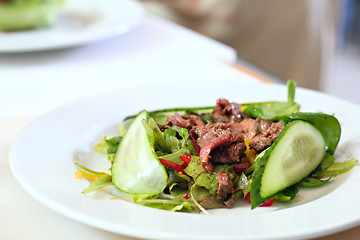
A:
[136,168]
[298,152]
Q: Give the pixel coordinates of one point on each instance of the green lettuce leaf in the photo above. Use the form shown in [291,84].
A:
[338,168]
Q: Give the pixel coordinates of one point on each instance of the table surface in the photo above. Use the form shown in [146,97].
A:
[32,84]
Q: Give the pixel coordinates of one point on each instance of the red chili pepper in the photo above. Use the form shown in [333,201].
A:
[265,204]
[186,197]
[268,203]
[175,166]
[240,167]
[186,159]
[195,144]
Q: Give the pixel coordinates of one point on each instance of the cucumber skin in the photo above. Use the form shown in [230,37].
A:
[286,172]
[256,198]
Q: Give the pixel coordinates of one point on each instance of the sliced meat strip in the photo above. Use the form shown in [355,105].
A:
[225,185]
[218,135]
[184,121]
[263,141]
[227,112]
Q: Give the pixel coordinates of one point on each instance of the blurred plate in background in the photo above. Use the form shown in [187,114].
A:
[80,22]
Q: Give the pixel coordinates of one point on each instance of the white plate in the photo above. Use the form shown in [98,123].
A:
[42,159]
[80,22]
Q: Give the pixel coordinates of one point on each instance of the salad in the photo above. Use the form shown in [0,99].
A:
[194,159]
[28,14]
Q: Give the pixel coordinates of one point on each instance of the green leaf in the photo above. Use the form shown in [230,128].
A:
[328,125]
[140,197]
[242,183]
[208,181]
[28,14]
[271,109]
[160,142]
[171,139]
[175,156]
[88,169]
[101,146]
[194,169]
[160,115]
[176,190]
[165,203]
[174,177]
[310,182]
[325,164]
[291,85]
[338,168]
[203,199]
[256,199]
[287,194]
[113,144]
[99,184]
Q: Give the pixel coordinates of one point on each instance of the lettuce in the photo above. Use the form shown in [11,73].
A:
[28,14]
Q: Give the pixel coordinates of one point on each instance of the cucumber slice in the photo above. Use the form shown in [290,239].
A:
[136,168]
[300,149]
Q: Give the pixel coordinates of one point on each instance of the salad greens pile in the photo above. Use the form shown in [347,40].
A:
[28,14]
[162,165]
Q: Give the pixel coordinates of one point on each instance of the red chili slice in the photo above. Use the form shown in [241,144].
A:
[175,166]
[197,148]
[186,197]
[186,160]
[265,204]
